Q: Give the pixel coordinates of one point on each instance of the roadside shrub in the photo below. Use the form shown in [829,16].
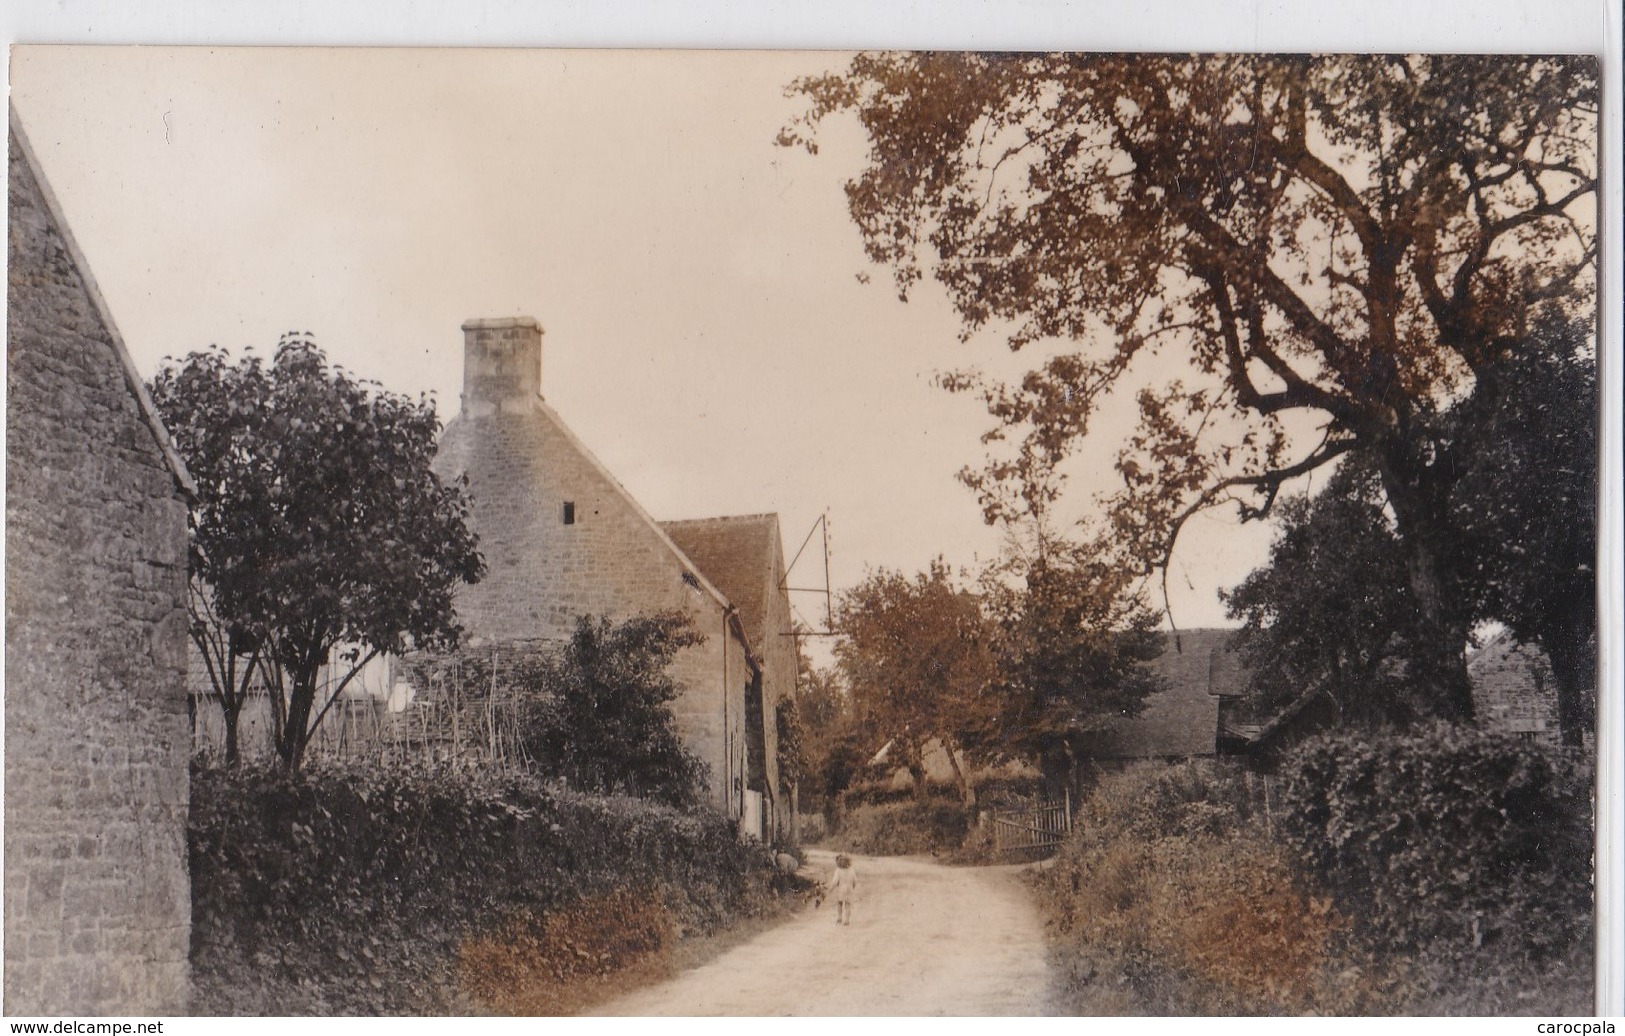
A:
[1448,837]
[525,965]
[351,891]
[1165,900]
[903,828]
[812,828]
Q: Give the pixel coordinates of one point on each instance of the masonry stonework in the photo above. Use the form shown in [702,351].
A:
[1514,691]
[97,902]
[562,539]
[743,556]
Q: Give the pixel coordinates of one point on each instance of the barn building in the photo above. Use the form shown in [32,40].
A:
[562,538]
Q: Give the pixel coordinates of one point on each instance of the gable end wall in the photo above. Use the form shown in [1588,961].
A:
[97,902]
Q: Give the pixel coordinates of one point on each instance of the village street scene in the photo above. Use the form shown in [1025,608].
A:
[671,533]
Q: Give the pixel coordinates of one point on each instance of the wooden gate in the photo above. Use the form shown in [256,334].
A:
[1033,832]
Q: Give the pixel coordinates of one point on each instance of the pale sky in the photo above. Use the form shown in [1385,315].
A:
[707,334]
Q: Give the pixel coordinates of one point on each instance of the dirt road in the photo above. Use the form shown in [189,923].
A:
[925,939]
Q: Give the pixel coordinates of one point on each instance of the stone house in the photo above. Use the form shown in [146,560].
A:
[1199,713]
[97,899]
[1514,691]
[562,538]
[1199,674]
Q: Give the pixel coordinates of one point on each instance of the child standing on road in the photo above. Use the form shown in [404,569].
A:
[842,884]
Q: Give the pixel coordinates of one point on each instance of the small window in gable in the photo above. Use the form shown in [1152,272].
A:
[569,512]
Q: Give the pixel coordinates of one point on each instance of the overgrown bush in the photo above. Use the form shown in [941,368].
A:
[1167,901]
[524,966]
[353,891]
[1448,837]
[902,828]
[1440,872]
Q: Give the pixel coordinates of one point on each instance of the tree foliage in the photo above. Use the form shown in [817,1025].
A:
[916,656]
[1526,506]
[320,536]
[599,713]
[1330,611]
[833,745]
[1072,639]
[1316,252]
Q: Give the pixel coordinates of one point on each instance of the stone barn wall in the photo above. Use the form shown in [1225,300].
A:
[97,901]
[743,557]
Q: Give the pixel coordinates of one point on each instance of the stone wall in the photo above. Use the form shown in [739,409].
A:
[1514,691]
[97,903]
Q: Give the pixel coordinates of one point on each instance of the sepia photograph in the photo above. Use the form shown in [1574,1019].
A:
[504,532]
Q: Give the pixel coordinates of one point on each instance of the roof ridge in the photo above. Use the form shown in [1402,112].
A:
[757,516]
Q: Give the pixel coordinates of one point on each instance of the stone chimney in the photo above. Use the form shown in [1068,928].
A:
[502,365]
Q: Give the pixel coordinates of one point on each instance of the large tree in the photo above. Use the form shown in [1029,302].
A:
[916,656]
[1526,505]
[1290,258]
[320,537]
[1330,611]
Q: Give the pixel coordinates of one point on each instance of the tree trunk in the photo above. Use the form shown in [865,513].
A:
[912,758]
[296,729]
[967,796]
[231,713]
[917,772]
[1439,656]
[1572,650]
[1057,770]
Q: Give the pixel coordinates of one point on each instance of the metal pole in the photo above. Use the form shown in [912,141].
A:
[829,608]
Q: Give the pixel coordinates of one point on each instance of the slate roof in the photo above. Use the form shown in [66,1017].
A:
[1182,720]
[737,555]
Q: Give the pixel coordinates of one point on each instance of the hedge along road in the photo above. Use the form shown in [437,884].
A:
[925,939]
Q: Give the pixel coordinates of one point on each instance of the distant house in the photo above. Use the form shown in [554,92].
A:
[1200,674]
[1513,689]
[97,900]
[562,538]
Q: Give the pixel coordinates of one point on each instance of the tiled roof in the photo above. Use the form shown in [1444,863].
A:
[737,555]
[1197,669]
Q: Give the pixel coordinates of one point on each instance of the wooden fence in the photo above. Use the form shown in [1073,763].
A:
[1033,832]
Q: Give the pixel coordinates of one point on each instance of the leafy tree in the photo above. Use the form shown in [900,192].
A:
[915,654]
[1071,642]
[832,745]
[1526,506]
[1317,253]
[1331,609]
[600,709]
[320,537]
